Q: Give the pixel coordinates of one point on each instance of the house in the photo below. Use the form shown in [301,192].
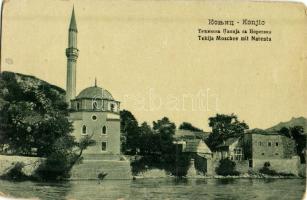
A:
[201,155]
[231,148]
[270,147]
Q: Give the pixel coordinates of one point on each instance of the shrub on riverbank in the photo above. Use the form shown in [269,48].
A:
[227,168]
[15,173]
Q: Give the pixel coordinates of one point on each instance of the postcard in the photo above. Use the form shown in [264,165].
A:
[153,99]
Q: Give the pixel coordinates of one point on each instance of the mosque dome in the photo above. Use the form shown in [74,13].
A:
[95,93]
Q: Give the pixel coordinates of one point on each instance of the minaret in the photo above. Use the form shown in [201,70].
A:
[72,55]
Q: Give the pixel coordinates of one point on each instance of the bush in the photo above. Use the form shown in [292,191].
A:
[15,173]
[227,168]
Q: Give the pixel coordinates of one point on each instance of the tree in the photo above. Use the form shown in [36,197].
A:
[224,127]
[66,153]
[130,132]
[34,121]
[165,129]
[297,134]
[33,114]
[285,131]
[148,140]
[189,126]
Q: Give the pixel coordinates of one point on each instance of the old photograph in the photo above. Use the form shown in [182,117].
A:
[153,99]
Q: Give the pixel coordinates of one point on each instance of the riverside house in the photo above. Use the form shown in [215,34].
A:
[231,148]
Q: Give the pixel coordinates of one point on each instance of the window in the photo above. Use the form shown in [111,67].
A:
[78,106]
[84,132]
[103,146]
[94,117]
[95,105]
[112,107]
[276,154]
[259,143]
[104,130]
[238,155]
[262,154]
[276,143]
[269,144]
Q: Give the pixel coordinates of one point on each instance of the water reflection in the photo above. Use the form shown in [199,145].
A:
[226,181]
[168,188]
[180,181]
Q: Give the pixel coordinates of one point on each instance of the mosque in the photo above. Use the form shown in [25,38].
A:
[94,111]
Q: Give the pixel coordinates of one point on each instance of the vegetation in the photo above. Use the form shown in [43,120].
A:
[189,126]
[130,133]
[298,135]
[66,154]
[224,127]
[34,122]
[227,168]
[154,145]
[15,173]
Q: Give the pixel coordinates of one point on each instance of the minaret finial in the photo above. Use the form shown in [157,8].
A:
[95,82]
[73,24]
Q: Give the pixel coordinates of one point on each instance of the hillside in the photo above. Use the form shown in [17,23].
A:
[16,85]
[299,121]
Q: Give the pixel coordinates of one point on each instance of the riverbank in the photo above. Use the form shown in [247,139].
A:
[117,170]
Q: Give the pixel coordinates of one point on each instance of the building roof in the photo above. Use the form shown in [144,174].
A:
[73,24]
[228,142]
[193,134]
[197,146]
[261,132]
[95,93]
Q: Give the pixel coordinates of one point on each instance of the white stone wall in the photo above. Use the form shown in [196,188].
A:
[94,129]
[7,162]
[279,165]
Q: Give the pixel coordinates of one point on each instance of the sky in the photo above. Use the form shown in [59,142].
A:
[147,54]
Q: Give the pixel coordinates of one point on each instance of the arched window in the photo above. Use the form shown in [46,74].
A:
[95,105]
[84,132]
[104,130]
[78,105]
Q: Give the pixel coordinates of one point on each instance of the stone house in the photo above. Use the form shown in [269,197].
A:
[262,146]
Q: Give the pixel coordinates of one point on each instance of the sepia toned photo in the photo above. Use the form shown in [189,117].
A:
[153,100]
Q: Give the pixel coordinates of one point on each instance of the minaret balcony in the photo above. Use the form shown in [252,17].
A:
[72,52]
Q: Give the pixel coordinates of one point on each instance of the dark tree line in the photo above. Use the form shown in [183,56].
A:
[154,144]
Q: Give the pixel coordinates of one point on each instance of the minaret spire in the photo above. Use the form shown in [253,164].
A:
[73,24]
[72,53]
[95,82]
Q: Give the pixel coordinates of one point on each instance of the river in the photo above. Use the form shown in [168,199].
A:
[167,188]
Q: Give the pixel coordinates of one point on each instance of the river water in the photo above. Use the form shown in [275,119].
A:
[167,188]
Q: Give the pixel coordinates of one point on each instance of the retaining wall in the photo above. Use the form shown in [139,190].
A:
[279,165]
[31,163]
